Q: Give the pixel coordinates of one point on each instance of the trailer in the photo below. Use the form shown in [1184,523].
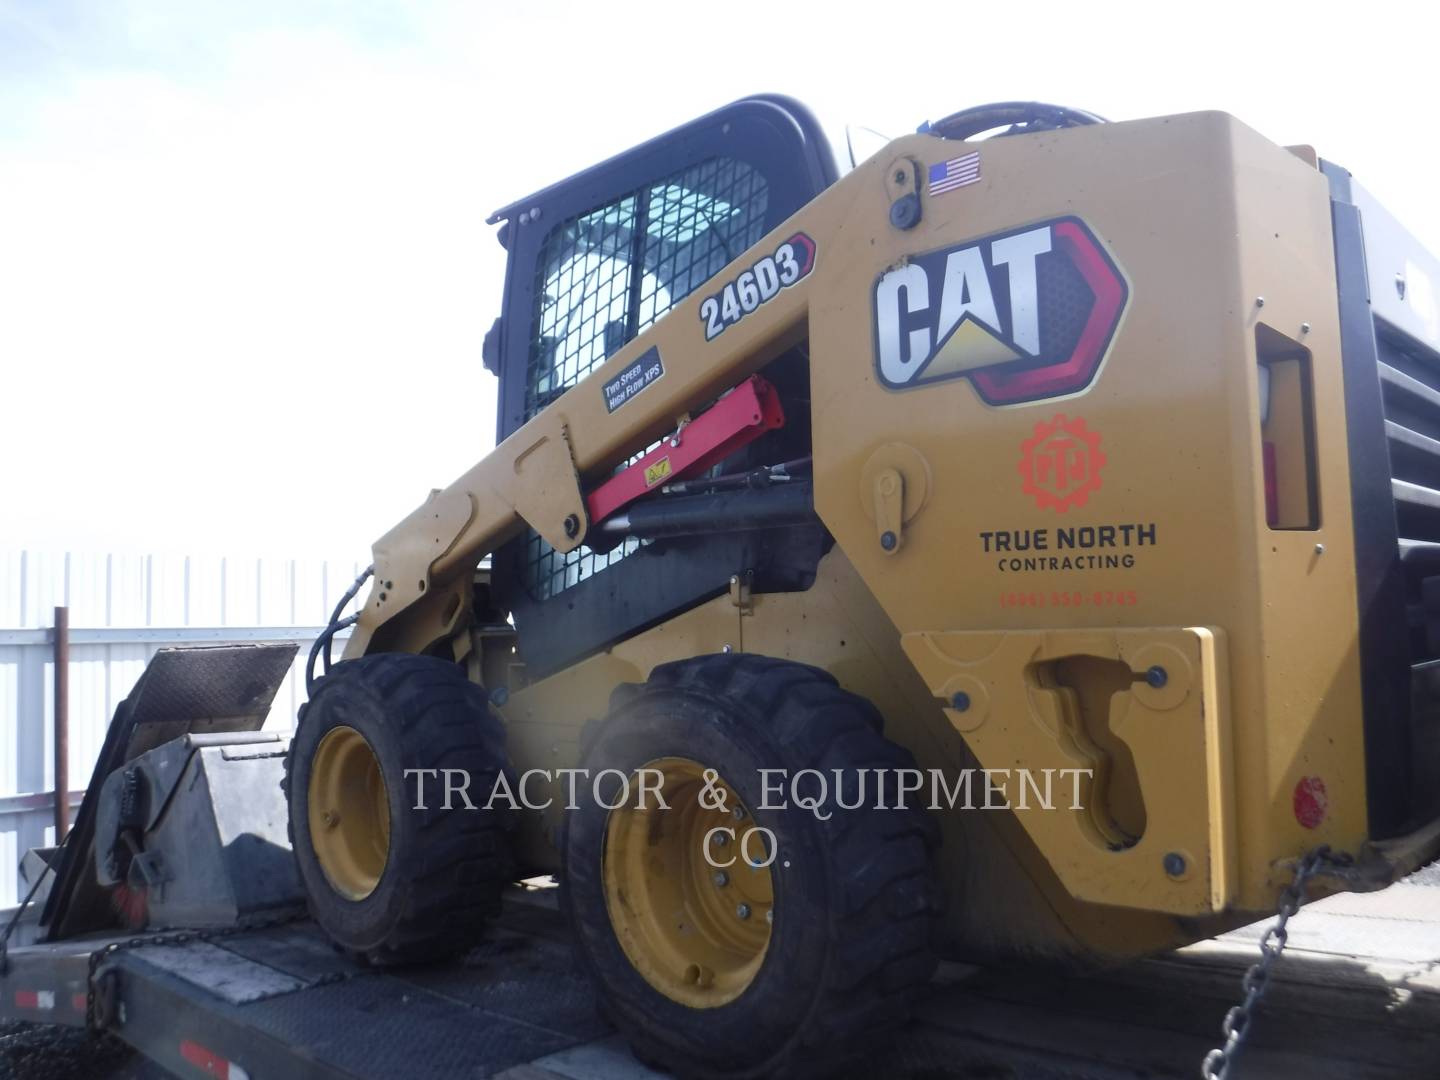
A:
[278,1001]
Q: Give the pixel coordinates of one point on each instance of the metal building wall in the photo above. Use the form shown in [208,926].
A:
[122,609]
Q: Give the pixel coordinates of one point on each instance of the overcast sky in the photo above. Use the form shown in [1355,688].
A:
[244,270]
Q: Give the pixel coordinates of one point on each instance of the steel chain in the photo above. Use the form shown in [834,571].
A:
[170,936]
[1256,980]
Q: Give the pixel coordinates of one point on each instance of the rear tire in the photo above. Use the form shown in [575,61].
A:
[390,882]
[854,897]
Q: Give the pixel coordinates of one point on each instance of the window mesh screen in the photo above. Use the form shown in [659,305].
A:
[604,276]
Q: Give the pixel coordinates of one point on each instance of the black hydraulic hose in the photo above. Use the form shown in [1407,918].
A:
[321,647]
[727,511]
[350,592]
[757,477]
[1021,116]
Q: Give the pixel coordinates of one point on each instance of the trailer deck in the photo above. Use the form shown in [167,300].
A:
[1357,995]
[281,1000]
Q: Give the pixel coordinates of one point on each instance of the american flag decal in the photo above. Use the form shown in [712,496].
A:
[957,172]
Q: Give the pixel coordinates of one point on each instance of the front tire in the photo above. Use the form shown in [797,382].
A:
[390,882]
[852,898]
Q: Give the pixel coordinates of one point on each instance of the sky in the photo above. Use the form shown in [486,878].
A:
[244,269]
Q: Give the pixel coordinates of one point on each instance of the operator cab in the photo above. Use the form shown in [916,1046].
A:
[594,261]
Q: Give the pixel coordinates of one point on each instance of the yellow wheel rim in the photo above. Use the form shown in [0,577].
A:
[696,932]
[349,813]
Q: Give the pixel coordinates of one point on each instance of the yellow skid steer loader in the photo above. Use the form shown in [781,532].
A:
[1016,546]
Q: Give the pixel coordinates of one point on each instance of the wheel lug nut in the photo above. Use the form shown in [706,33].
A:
[738,813]
[721,879]
[721,839]
[330,818]
[742,911]
[770,917]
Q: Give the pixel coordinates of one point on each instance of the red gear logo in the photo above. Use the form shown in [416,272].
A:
[1061,463]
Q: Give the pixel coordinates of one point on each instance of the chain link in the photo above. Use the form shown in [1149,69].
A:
[168,936]
[1256,980]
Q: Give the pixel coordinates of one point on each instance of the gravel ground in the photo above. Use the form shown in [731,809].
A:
[51,1052]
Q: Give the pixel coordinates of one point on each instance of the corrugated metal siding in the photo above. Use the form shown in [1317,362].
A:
[147,601]
[168,590]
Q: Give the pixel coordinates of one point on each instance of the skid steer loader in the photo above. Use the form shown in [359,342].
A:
[1023,546]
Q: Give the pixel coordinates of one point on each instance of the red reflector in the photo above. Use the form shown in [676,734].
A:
[27,999]
[80,1003]
[1272,491]
[206,1060]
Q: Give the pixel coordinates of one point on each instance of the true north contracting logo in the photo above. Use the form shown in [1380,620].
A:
[1025,315]
[1060,463]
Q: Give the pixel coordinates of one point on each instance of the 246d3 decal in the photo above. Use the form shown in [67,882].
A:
[792,260]
[1025,315]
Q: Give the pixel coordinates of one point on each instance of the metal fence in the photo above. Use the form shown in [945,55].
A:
[122,609]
